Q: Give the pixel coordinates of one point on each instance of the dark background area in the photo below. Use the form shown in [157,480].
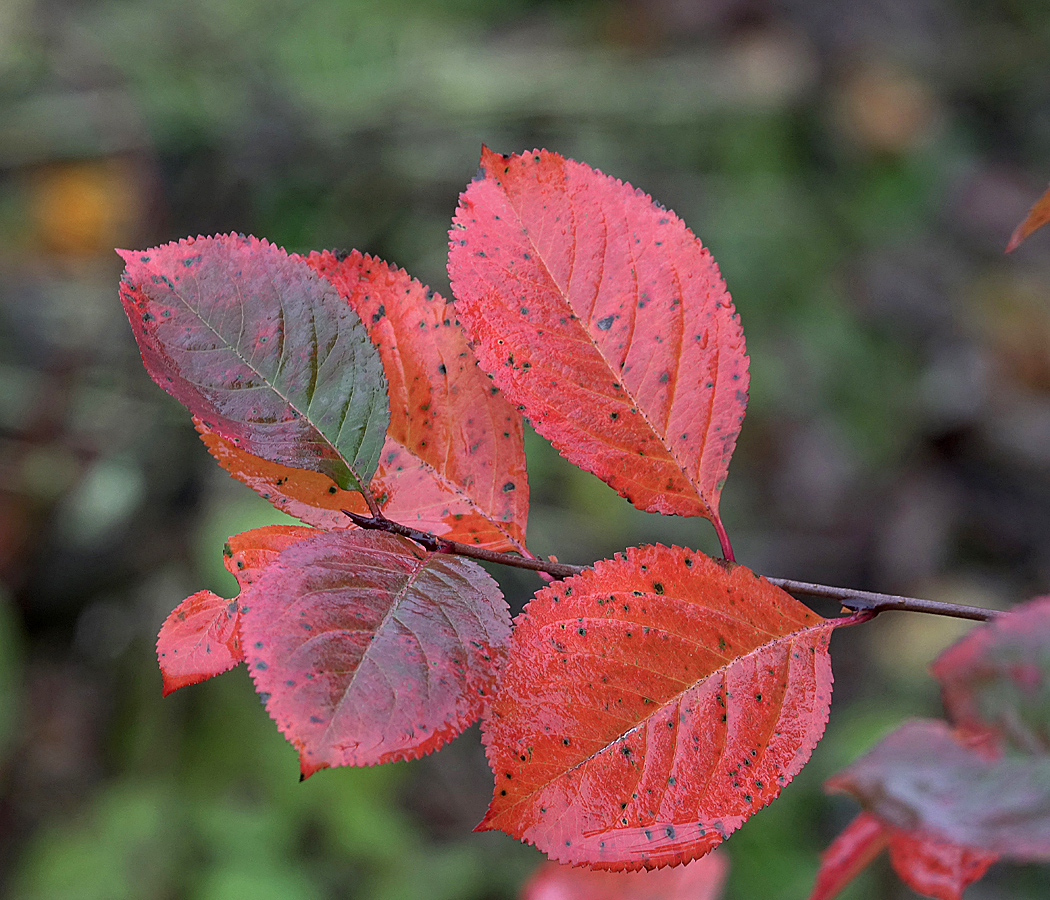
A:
[856,169]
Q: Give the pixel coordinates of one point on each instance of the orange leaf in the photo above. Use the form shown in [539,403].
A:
[650,706]
[603,317]
[1037,217]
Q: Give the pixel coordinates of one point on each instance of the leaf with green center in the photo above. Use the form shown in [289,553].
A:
[605,320]
[262,350]
[368,649]
[650,706]
[453,462]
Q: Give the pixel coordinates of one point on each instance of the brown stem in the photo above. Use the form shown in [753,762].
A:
[877,603]
[441,545]
[865,604]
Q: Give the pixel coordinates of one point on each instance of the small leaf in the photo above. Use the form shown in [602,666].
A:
[997,678]
[921,778]
[849,854]
[933,868]
[1037,217]
[701,879]
[262,350]
[605,320]
[650,706]
[201,638]
[368,649]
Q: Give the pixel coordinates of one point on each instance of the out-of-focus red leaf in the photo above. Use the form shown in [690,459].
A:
[921,778]
[453,462]
[702,879]
[849,854]
[1037,217]
[934,868]
[201,638]
[650,706]
[603,317]
[368,649]
[261,349]
[997,678]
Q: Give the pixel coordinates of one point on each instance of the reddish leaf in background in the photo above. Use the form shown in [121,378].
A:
[936,868]
[1037,217]
[262,350]
[933,868]
[650,706]
[201,638]
[921,778]
[702,879]
[996,680]
[368,649]
[453,462]
[603,317]
[849,854]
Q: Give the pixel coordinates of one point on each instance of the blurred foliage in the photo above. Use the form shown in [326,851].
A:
[855,168]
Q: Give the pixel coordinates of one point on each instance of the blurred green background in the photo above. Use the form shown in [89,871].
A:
[855,167]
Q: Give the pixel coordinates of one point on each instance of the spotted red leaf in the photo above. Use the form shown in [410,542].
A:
[996,680]
[368,649]
[922,778]
[650,706]
[262,349]
[933,868]
[701,879]
[603,317]
[1037,217]
[201,638]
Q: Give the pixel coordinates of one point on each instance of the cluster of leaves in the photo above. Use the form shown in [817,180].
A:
[636,713]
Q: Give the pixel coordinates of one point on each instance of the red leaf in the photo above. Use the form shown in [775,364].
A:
[601,315]
[368,649]
[262,350]
[931,867]
[201,638]
[935,868]
[921,778]
[701,879]
[1037,217]
[997,678]
[650,706]
[849,854]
